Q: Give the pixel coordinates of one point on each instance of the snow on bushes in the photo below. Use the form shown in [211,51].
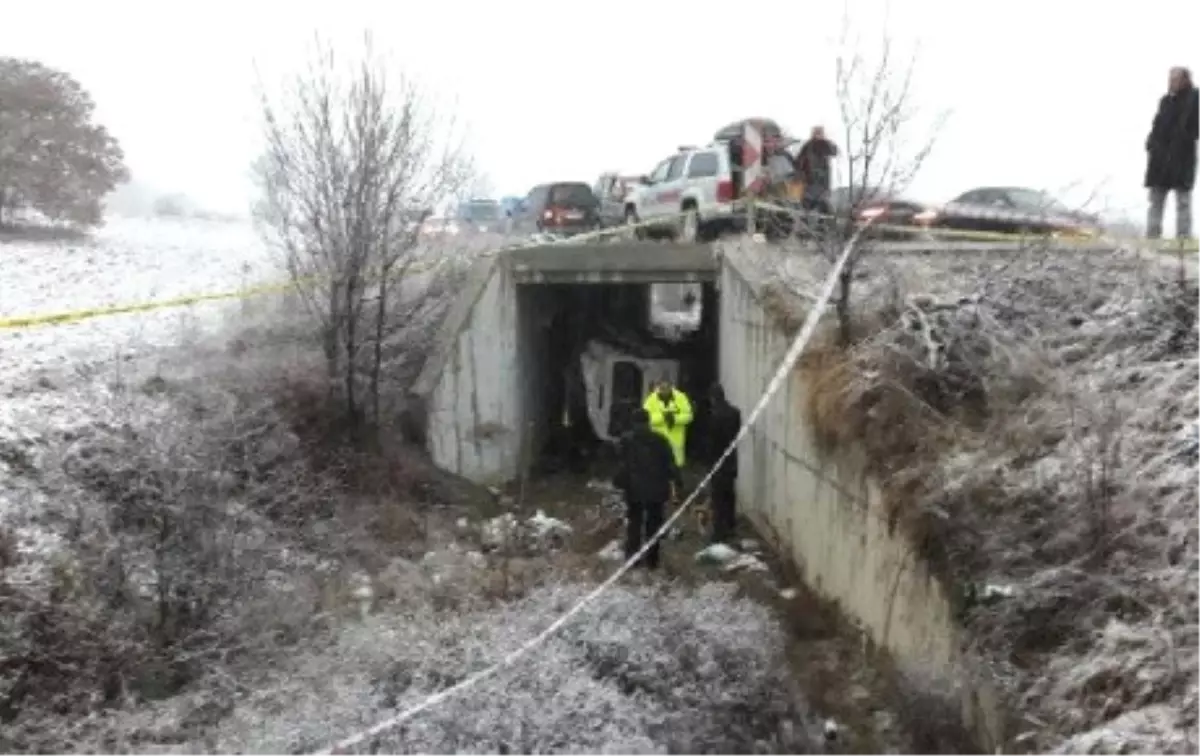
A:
[645,670]
[1032,417]
[166,503]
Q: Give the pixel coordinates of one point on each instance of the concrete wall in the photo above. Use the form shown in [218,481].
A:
[825,513]
[475,406]
[536,307]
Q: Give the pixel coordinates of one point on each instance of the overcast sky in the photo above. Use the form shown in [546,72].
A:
[1054,94]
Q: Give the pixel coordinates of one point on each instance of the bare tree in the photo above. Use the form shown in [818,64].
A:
[354,162]
[53,158]
[883,144]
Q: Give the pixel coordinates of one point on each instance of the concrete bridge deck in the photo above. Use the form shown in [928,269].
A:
[627,262]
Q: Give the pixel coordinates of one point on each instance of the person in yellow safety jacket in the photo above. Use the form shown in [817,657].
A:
[670,414]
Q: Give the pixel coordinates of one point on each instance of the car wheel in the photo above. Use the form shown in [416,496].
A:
[689,226]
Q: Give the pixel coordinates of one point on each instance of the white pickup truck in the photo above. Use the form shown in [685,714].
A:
[689,195]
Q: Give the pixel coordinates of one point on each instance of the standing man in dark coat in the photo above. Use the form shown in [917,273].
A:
[646,472]
[814,166]
[724,423]
[1171,154]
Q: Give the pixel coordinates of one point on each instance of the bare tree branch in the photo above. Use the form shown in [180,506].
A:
[883,145]
[354,160]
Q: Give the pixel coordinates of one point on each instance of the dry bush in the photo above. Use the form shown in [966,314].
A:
[352,168]
[204,509]
[1032,418]
[884,141]
[38,233]
[170,501]
[643,672]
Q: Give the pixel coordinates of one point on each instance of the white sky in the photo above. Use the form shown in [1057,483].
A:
[1049,94]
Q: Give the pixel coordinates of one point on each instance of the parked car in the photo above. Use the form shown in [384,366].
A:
[891,214]
[563,208]
[612,189]
[694,193]
[1013,210]
[689,195]
[510,204]
[480,215]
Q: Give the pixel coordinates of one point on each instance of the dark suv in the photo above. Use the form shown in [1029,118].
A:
[564,208]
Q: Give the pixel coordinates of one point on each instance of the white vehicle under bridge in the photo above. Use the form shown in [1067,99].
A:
[616,341]
[583,338]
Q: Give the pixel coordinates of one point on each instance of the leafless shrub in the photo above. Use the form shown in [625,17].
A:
[353,166]
[884,143]
[1033,420]
[172,206]
[647,672]
[172,543]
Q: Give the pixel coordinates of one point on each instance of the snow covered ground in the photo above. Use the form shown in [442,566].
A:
[112,390]
[127,261]
[55,378]
[51,375]
[1032,415]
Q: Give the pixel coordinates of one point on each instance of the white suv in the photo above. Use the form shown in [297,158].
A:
[689,195]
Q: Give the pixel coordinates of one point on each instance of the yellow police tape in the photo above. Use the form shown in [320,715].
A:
[1160,245]
[59,318]
[72,316]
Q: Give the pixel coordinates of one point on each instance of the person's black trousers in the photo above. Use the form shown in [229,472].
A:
[642,520]
[724,504]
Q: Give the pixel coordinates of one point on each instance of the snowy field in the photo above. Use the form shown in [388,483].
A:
[127,261]
[49,374]
[56,378]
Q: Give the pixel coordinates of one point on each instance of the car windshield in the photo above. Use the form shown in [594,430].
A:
[1035,201]
[481,211]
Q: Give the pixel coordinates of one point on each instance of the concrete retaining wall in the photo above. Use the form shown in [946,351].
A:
[474,403]
[825,513]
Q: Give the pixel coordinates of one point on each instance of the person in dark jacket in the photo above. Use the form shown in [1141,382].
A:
[814,167]
[647,471]
[1171,154]
[724,423]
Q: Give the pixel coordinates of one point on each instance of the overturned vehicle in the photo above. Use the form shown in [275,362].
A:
[613,363]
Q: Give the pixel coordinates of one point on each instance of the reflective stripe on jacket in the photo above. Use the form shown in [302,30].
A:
[657,409]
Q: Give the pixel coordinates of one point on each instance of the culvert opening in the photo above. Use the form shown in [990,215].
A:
[594,350]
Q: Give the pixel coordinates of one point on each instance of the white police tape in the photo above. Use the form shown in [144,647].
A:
[789,361]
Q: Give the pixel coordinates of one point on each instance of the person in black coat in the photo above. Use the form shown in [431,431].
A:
[814,167]
[647,471]
[724,423]
[1171,154]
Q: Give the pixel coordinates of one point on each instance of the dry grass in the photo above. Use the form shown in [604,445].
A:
[1032,418]
[228,574]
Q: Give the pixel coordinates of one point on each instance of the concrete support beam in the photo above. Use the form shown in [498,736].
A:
[622,262]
